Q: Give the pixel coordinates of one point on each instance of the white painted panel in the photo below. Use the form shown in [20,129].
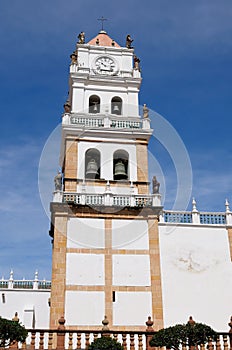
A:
[131,270]
[196,275]
[85,269]
[138,306]
[84,308]
[84,232]
[130,234]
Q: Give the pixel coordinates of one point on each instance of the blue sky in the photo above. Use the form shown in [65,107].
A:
[185,49]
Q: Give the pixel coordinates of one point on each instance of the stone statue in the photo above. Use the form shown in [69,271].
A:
[145,111]
[136,62]
[67,107]
[81,38]
[129,42]
[58,181]
[73,57]
[155,185]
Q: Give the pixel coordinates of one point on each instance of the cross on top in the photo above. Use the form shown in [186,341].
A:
[102,19]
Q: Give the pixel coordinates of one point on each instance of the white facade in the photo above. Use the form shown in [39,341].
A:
[29,298]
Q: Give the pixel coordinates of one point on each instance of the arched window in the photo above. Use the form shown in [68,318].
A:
[92,164]
[120,163]
[116,105]
[94,104]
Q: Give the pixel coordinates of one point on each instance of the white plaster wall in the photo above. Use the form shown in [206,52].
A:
[107,150]
[138,306]
[22,300]
[84,308]
[85,269]
[130,234]
[85,233]
[131,270]
[196,275]
[115,189]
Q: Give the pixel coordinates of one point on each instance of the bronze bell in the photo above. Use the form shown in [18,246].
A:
[120,171]
[116,109]
[92,169]
[95,108]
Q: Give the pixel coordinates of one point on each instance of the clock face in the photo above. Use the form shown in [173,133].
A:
[105,65]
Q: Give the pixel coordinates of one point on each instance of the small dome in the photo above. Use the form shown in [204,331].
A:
[103,39]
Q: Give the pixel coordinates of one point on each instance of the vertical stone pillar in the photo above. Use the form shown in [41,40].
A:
[108,271]
[155,272]
[58,269]
[142,166]
[70,165]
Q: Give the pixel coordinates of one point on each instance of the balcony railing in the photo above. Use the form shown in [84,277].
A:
[110,121]
[107,199]
[11,283]
[203,218]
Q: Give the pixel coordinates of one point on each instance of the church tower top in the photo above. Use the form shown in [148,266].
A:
[103,39]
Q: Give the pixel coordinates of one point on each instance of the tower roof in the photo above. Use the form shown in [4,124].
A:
[103,39]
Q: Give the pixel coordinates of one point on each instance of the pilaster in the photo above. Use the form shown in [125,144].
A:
[155,272]
[58,270]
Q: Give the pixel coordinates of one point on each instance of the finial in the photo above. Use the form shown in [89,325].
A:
[11,275]
[194,205]
[102,19]
[227,205]
[105,323]
[149,324]
[36,275]
[61,322]
[191,321]
[15,318]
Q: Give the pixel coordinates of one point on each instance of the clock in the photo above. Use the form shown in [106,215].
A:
[105,65]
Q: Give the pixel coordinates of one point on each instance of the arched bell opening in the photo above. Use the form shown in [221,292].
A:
[94,104]
[116,105]
[120,163]
[92,164]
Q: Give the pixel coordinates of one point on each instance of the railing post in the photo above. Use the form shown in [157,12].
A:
[105,327]
[149,329]
[60,334]
[230,332]
[14,344]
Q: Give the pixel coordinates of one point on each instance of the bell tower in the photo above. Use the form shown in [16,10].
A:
[106,257]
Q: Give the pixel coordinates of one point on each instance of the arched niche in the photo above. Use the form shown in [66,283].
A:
[116,105]
[120,165]
[92,164]
[94,104]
